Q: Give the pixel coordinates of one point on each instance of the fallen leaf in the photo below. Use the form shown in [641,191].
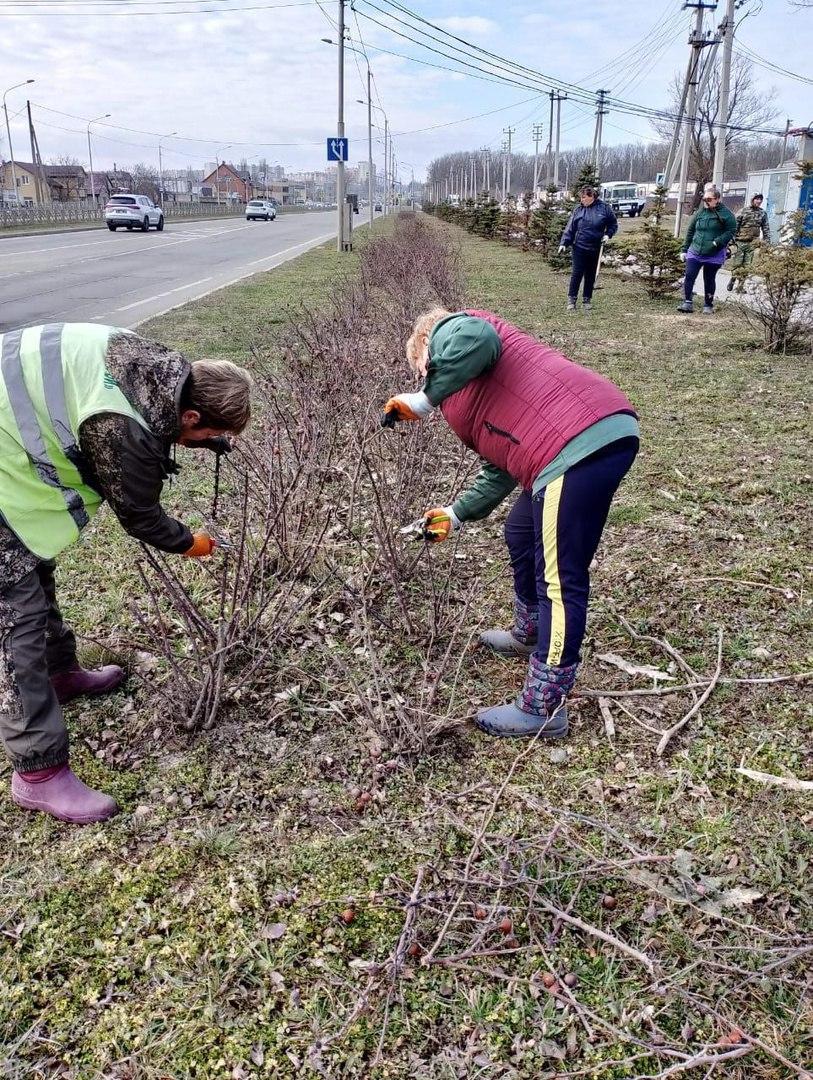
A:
[275,931]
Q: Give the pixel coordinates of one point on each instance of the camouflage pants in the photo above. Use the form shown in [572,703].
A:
[35,643]
[742,257]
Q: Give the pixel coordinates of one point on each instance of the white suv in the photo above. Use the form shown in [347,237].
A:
[260,208]
[133,212]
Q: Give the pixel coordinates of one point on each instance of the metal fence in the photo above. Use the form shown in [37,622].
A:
[74,212]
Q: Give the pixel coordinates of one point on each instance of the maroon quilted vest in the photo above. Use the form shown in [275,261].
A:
[521,413]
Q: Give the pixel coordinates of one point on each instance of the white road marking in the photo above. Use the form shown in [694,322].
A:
[97,243]
[159,296]
[233,280]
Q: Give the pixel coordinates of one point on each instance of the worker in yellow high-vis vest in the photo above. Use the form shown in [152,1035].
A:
[87,414]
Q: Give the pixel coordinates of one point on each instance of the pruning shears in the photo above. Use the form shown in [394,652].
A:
[416,530]
[389,419]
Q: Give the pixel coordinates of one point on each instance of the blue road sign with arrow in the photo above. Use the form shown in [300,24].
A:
[338,149]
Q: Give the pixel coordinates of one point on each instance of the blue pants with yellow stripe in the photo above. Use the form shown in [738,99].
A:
[552,538]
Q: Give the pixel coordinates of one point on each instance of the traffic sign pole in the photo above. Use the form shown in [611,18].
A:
[340,176]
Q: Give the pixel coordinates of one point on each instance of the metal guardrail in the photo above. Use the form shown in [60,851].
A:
[69,213]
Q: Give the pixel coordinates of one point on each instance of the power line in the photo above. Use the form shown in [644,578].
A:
[132,13]
[749,54]
[526,82]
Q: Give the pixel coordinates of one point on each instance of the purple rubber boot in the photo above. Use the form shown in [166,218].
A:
[78,681]
[520,640]
[63,796]
[539,710]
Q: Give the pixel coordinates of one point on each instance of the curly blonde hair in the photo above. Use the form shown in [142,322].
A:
[418,345]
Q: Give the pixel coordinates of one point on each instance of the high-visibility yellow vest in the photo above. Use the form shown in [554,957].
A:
[52,378]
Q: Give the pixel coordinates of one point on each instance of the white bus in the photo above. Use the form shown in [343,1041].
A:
[624,197]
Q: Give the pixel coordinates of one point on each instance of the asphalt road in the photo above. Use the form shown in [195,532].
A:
[122,278]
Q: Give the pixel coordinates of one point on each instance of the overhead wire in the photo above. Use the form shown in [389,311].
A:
[130,13]
[749,54]
[580,93]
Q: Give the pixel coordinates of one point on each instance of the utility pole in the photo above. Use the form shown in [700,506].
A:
[727,33]
[8,134]
[386,187]
[696,42]
[487,169]
[559,99]
[504,149]
[90,157]
[509,131]
[370,192]
[537,136]
[785,143]
[39,172]
[549,148]
[161,168]
[601,112]
[340,177]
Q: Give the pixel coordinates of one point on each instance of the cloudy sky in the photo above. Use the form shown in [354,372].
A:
[255,74]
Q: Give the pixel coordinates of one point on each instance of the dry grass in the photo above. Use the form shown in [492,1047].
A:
[202,933]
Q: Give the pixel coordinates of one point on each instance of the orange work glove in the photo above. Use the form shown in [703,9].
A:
[439,524]
[409,406]
[202,545]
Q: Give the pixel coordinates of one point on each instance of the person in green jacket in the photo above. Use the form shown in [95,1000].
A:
[710,232]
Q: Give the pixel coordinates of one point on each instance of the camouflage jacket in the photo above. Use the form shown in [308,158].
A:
[750,223]
[126,464]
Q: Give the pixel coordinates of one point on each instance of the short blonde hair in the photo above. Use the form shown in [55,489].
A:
[221,392]
[418,344]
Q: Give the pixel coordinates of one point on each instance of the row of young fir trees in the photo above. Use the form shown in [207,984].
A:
[655,252]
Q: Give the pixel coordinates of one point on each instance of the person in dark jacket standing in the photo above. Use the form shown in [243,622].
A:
[566,436]
[88,414]
[710,232]
[589,224]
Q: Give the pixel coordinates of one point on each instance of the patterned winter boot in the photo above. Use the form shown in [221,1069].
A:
[520,640]
[539,709]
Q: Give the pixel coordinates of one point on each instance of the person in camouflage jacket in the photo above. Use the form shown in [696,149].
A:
[125,462]
[752,229]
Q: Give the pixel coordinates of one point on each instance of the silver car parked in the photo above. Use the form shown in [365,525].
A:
[133,212]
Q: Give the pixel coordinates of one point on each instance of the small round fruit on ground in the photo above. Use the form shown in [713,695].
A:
[348,915]
[505,925]
[609,902]
[571,979]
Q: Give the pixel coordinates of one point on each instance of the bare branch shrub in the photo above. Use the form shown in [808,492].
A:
[314,498]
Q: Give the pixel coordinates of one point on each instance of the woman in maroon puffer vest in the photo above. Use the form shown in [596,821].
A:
[567,437]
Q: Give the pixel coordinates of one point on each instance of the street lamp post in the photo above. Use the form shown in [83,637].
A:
[8,133]
[217,170]
[90,157]
[161,167]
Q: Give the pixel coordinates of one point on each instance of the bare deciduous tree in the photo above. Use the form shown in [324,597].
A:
[749,107]
[145,180]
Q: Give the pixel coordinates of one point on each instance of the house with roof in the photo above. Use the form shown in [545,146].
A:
[48,183]
[229,183]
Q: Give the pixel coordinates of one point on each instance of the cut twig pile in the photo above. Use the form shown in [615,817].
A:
[544,914]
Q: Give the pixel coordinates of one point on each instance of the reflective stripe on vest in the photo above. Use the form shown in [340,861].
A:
[32,435]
